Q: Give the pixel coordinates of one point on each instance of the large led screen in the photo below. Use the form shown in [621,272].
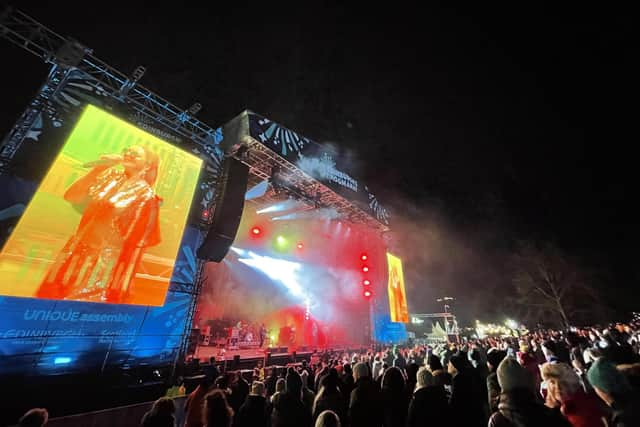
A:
[397,295]
[107,220]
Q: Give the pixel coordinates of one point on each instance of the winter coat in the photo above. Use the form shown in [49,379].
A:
[468,400]
[521,409]
[289,411]
[395,404]
[583,410]
[626,413]
[365,405]
[428,407]
[333,401]
[253,412]
[494,390]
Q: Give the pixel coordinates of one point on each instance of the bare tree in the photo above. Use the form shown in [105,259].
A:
[548,283]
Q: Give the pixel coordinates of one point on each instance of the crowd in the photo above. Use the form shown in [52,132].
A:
[584,378]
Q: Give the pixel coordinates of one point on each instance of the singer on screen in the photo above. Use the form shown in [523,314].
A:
[120,220]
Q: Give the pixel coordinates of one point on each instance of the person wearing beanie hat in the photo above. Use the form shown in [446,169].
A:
[519,405]
[365,403]
[614,389]
[289,410]
[512,376]
[429,405]
[468,400]
[253,411]
[565,391]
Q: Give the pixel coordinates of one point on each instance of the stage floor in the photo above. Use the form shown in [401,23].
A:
[204,352]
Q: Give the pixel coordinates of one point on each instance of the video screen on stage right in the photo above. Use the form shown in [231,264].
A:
[397,295]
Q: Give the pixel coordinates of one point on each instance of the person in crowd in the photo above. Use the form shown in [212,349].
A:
[239,391]
[365,404]
[347,381]
[280,387]
[468,394]
[528,361]
[328,419]
[330,396]
[494,357]
[376,368]
[519,406]
[395,399]
[211,370]
[253,412]
[429,405]
[217,412]
[161,414]
[549,350]
[399,361]
[270,382]
[308,397]
[412,371]
[321,373]
[36,417]
[565,391]
[194,407]
[289,410]
[613,388]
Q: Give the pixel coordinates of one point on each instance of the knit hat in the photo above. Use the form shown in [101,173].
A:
[294,383]
[512,376]
[424,378]
[360,370]
[257,388]
[460,361]
[604,375]
[495,356]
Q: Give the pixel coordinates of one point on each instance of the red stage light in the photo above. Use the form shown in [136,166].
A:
[205,214]
[256,231]
[300,246]
[364,257]
[365,269]
[367,293]
[366,282]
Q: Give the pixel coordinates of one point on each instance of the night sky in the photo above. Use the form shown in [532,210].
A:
[478,127]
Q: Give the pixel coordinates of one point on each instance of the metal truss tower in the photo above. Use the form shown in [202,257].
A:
[65,55]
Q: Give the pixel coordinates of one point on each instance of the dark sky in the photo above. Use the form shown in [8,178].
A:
[513,120]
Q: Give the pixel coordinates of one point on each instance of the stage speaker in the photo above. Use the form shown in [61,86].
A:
[228,211]
[236,361]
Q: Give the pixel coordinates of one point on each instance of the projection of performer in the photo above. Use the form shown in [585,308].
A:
[120,220]
[397,297]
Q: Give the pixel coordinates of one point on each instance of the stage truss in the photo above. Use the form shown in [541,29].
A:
[312,193]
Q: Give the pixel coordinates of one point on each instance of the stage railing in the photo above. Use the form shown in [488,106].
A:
[122,416]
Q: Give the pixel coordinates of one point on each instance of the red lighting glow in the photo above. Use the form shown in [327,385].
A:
[205,214]
[256,231]
[367,293]
[364,257]
[366,282]
[300,246]
[365,269]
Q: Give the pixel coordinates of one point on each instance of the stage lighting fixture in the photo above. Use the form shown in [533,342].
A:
[281,241]
[256,231]
[364,257]
[365,269]
[300,246]
[205,214]
[367,293]
[366,282]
